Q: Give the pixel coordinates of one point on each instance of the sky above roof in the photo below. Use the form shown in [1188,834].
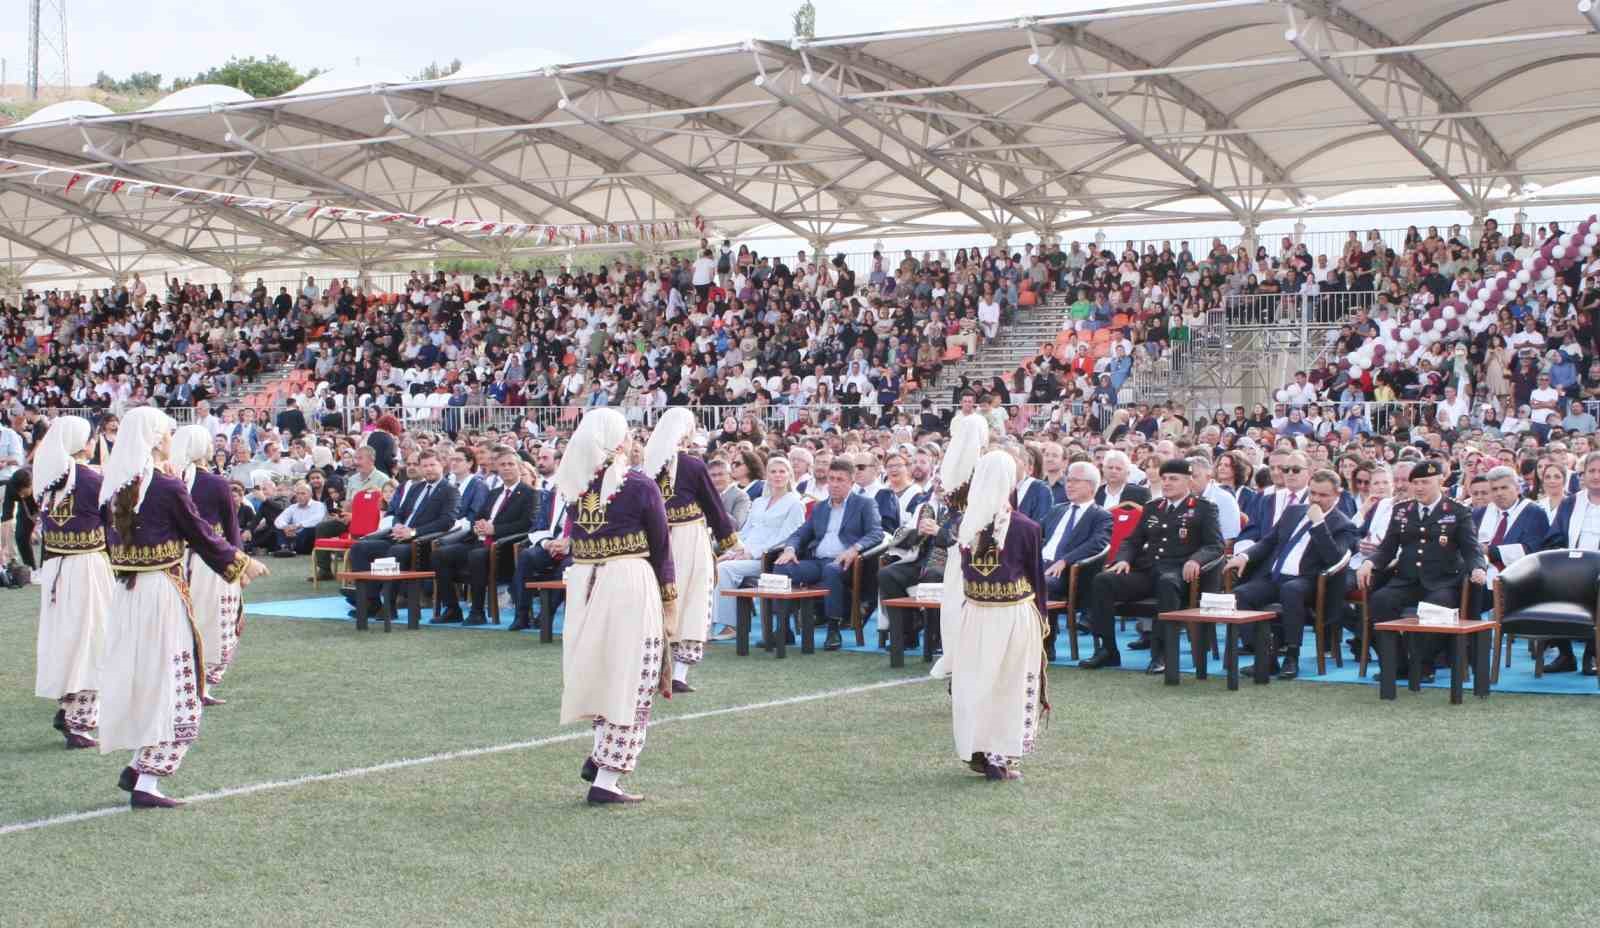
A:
[184,38]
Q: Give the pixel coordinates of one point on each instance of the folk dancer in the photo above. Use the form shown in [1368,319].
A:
[969,435]
[218,604]
[998,683]
[152,679]
[621,599]
[76,581]
[696,517]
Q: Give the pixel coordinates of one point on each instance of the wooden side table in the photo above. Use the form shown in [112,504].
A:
[547,606]
[896,607]
[391,581]
[1195,619]
[1388,633]
[807,599]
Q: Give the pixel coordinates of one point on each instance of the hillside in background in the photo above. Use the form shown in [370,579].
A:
[15,105]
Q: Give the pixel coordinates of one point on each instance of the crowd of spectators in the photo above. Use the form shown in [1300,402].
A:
[1530,372]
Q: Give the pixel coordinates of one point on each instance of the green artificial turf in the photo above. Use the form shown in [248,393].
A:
[1146,805]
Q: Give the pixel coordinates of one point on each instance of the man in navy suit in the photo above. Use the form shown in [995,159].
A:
[1033,496]
[1308,539]
[1074,531]
[827,545]
[545,557]
[507,512]
[1577,525]
[428,508]
[1291,471]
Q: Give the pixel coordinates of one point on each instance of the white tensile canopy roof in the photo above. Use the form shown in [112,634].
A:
[1231,110]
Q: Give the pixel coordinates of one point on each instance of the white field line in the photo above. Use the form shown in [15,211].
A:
[230,792]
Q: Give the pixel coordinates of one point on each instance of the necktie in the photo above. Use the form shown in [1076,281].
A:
[1072,519]
[498,502]
[427,488]
[1294,539]
[1366,524]
[1500,530]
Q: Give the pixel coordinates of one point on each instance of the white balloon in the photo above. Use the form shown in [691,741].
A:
[1283,396]
[1356,371]
[1548,272]
[1523,276]
[1448,312]
[1475,307]
[1406,333]
[1591,240]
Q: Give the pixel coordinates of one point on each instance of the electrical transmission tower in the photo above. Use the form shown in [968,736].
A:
[47,46]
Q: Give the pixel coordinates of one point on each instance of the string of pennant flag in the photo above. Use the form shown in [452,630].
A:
[86,182]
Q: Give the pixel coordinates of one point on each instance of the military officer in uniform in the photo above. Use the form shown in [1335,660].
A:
[1174,539]
[1430,543]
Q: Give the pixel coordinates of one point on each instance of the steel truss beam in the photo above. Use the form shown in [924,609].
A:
[1133,134]
[67,205]
[698,176]
[355,194]
[820,118]
[1444,98]
[273,231]
[1215,119]
[40,249]
[1337,77]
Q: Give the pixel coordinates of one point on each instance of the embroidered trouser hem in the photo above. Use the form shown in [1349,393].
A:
[82,711]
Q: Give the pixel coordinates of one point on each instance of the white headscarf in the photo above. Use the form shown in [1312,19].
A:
[989,499]
[67,436]
[133,456]
[594,445]
[191,446]
[968,436]
[661,451]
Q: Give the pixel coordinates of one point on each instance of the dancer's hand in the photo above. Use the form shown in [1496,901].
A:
[252,570]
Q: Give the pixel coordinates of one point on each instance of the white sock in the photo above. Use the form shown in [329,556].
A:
[680,671]
[149,783]
[607,779]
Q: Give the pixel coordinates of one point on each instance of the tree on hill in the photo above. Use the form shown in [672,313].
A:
[433,72]
[141,82]
[258,77]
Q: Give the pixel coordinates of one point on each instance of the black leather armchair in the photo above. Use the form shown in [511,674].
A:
[1548,594]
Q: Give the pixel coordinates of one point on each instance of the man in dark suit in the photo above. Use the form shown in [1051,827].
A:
[1117,469]
[1284,566]
[1174,539]
[427,508]
[507,512]
[1430,544]
[1033,496]
[1577,525]
[544,557]
[825,547]
[1075,530]
[1291,472]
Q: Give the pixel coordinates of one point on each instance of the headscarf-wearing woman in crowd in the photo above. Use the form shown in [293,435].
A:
[998,687]
[969,435]
[621,599]
[152,679]
[696,517]
[217,603]
[76,581]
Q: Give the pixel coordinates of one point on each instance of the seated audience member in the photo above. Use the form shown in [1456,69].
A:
[504,512]
[1284,566]
[773,518]
[824,548]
